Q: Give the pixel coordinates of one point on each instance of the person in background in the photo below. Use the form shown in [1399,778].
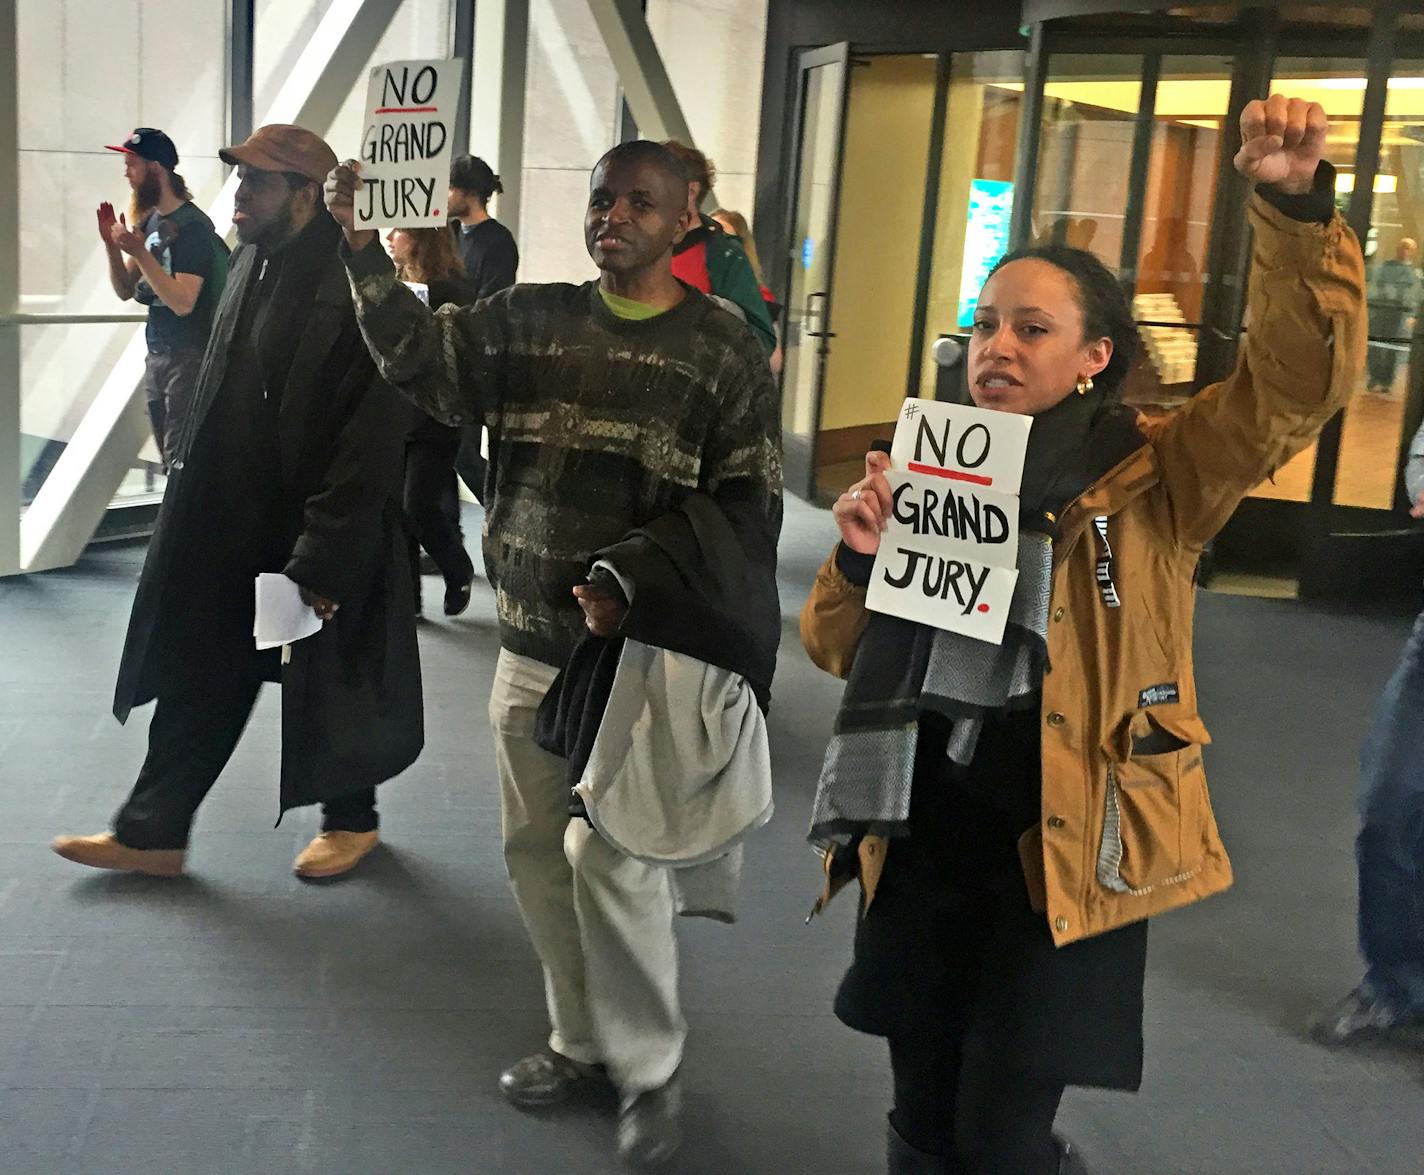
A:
[1016,813]
[1395,291]
[427,257]
[289,463]
[1389,850]
[487,248]
[491,259]
[167,256]
[712,261]
[735,224]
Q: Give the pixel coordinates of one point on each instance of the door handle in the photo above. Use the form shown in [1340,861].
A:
[810,309]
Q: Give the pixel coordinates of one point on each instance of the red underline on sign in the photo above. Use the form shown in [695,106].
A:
[407,109]
[952,474]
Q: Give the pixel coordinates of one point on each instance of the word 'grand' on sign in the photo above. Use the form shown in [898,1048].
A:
[400,142]
[950,513]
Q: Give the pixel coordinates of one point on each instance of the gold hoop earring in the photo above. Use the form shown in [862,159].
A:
[1085,385]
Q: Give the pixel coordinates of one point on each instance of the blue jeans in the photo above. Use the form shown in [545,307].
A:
[1390,847]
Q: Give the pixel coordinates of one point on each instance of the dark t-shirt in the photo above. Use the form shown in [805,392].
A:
[184,241]
[491,257]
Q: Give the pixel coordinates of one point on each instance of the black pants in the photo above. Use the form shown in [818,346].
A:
[191,738]
[977,1118]
[171,376]
[429,492]
[1382,359]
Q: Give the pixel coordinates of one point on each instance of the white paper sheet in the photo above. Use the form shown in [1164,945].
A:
[282,618]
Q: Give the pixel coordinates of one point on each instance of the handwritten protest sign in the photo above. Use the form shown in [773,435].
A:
[406,147]
[959,442]
[949,556]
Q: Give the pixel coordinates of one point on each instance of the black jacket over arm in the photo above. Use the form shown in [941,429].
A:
[704,584]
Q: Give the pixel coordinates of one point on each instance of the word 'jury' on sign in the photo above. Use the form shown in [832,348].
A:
[949,556]
[406,147]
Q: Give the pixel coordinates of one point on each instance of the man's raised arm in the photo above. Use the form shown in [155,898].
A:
[447,364]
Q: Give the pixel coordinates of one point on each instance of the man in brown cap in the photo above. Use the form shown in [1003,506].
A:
[289,461]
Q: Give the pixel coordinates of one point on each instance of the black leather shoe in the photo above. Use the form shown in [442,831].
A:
[545,1079]
[457,597]
[650,1126]
[457,591]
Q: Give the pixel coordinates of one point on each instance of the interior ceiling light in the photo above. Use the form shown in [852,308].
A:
[1385,184]
[1359,83]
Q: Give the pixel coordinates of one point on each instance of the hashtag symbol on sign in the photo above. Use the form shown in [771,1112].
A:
[910,410]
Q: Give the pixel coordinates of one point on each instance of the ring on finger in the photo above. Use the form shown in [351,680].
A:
[855,495]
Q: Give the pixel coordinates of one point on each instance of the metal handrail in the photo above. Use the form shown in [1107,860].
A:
[66,319]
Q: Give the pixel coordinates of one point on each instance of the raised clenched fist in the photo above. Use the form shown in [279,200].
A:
[1282,141]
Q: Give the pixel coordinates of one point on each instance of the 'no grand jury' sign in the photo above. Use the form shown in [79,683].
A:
[406,147]
[949,557]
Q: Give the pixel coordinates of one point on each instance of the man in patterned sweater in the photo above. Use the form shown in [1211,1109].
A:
[607,404]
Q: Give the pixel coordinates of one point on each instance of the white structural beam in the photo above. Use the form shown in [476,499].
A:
[646,86]
[71,503]
[9,292]
[497,79]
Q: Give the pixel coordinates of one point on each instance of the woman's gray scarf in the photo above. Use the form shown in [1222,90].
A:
[903,669]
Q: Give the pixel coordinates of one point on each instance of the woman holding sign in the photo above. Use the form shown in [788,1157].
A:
[1016,810]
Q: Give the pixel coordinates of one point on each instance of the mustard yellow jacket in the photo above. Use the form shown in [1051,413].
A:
[1126,835]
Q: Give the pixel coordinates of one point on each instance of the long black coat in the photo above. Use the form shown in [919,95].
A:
[352,711]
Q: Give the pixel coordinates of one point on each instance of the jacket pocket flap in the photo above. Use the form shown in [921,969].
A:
[1162,731]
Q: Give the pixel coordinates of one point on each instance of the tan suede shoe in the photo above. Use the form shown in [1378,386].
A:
[334,853]
[104,852]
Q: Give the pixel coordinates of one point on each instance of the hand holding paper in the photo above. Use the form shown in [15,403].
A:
[863,511]
[283,614]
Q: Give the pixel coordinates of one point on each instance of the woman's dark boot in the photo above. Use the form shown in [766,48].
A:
[903,1159]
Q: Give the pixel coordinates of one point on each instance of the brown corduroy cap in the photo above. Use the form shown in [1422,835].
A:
[280,147]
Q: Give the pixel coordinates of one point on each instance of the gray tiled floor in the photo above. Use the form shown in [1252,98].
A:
[236,1021]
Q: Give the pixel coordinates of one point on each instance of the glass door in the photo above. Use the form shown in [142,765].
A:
[821,106]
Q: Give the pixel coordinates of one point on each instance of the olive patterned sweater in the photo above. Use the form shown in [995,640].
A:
[598,425]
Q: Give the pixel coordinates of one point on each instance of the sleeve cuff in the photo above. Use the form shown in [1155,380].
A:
[366,262]
[1316,206]
[624,584]
[854,566]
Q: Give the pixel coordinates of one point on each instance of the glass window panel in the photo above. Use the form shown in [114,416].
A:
[1193,94]
[1338,84]
[419,29]
[63,366]
[878,226]
[72,102]
[1373,431]
[281,30]
[1089,108]
[975,191]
